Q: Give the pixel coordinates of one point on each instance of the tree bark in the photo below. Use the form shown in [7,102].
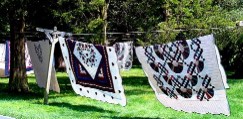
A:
[18,79]
[104,17]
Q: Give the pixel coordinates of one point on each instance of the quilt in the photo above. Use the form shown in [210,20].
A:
[124,52]
[28,63]
[221,68]
[39,54]
[185,75]
[93,71]
[2,59]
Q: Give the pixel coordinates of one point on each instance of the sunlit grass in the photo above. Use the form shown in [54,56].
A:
[141,102]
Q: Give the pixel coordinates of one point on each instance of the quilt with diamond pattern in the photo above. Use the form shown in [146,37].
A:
[93,71]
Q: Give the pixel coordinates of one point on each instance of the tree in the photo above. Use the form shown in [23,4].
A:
[17,15]
[14,12]
[133,15]
[24,14]
[196,14]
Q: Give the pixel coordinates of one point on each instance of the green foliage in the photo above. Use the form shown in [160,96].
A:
[230,43]
[9,9]
[97,3]
[196,14]
[229,4]
[197,18]
[133,15]
[69,15]
[95,25]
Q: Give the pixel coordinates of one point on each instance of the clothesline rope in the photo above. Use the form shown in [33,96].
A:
[121,33]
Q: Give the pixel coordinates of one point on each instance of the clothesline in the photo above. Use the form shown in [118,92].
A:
[119,33]
[145,32]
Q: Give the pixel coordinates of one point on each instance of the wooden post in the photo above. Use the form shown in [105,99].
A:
[50,65]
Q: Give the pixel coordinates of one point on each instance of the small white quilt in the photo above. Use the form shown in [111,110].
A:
[40,54]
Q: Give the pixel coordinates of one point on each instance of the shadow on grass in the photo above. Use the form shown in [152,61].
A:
[63,80]
[137,92]
[135,81]
[34,93]
[234,82]
[6,95]
[81,108]
[232,77]
[140,83]
[117,117]
[66,88]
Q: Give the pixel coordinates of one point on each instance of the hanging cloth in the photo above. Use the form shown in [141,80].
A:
[185,75]
[39,53]
[93,71]
[7,59]
[2,59]
[28,63]
[124,52]
[221,68]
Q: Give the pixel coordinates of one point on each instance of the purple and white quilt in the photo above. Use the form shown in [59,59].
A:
[186,75]
[28,63]
[93,71]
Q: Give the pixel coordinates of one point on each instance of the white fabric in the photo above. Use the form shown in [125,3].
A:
[124,52]
[185,75]
[221,68]
[2,59]
[92,90]
[28,63]
[39,53]
[91,67]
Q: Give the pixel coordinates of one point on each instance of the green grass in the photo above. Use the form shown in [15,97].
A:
[141,102]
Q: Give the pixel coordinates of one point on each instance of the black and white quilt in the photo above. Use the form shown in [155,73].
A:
[186,75]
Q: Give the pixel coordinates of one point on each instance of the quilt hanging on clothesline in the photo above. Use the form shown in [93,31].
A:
[124,52]
[40,53]
[93,71]
[186,75]
[28,63]
[221,68]
[2,59]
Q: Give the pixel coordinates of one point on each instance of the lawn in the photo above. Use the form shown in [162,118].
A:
[141,102]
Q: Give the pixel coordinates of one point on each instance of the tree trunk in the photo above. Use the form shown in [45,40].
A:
[18,79]
[104,17]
